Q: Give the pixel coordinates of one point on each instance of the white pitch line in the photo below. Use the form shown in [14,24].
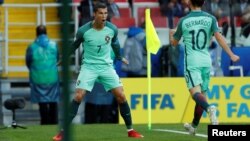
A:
[180,132]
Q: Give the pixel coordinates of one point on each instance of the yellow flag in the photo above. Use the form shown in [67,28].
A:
[153,42]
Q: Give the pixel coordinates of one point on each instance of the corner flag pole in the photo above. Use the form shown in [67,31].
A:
[149,88]
[153,45]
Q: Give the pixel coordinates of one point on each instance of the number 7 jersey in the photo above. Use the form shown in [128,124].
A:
[197,29]
[98,44]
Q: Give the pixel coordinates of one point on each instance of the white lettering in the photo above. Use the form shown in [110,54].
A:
[216,132]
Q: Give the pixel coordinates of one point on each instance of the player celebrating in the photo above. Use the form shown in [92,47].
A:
[98,37]
[197,29]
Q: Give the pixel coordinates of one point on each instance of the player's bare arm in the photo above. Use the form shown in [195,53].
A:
[224,45]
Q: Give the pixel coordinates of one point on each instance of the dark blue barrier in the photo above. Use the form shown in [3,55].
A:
[244,53]
[100,106]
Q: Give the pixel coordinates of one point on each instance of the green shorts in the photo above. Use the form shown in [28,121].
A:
[104,74]
[198,76]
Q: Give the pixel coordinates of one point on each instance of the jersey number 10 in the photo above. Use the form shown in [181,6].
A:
[195,39]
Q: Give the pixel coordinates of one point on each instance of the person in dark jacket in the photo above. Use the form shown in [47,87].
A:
[135,51]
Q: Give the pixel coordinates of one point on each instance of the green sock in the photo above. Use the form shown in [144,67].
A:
[73,110]
[126,115]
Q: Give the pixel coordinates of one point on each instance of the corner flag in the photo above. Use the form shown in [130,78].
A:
[153,45]
[152,39]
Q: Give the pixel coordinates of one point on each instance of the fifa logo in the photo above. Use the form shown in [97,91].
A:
[161,101]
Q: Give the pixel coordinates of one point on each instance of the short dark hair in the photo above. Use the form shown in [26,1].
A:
[41,29]
[198,3]
[99,5]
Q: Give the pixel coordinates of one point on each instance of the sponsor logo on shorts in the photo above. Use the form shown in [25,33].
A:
[187,78]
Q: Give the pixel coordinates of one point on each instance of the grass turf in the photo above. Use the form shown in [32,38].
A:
[101,132]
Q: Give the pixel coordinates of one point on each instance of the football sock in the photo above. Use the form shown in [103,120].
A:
[73,111]
[198,110]
[200,99]
[130,129]
[126,115]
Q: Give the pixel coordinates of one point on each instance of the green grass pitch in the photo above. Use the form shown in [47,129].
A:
[103,132]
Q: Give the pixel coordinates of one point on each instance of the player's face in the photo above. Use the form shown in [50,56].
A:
[186,2]
[101,15]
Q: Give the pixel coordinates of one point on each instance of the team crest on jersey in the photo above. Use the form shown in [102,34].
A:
[107,39]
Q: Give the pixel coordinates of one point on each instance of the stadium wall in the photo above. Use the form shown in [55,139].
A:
[171,101]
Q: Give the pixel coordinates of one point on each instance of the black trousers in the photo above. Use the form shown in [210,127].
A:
[48,113]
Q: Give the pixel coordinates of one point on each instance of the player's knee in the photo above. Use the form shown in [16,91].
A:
[119,95]
[121,98]
[79,95]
